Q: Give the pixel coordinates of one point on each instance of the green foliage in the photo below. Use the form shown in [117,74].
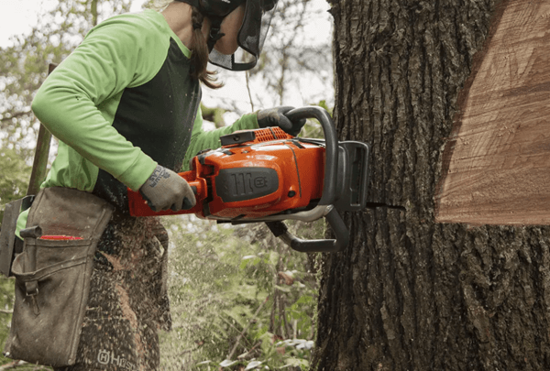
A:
[13,185]
[312,128]
[239,298]
[24,65]
[294,58]
[15,177]
[214,115]
[6,306]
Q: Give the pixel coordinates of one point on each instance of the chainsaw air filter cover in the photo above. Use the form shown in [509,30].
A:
[258,173]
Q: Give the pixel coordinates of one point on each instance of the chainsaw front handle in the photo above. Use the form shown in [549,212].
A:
[279,229]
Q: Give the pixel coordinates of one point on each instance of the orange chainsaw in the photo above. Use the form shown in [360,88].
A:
[266,175]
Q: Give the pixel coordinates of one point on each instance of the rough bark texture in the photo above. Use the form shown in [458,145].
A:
[408,293]
[496,163]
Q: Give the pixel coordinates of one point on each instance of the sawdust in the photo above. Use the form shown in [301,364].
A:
[131,316]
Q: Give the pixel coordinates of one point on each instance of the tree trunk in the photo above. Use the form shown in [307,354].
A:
[408,293]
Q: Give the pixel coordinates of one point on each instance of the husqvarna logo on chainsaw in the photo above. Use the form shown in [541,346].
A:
[246,184]
[260,182]
[241,184]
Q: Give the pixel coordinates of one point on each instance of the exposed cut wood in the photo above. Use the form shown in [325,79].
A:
[496,166]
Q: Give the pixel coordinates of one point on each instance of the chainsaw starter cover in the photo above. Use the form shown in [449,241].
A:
[239,184]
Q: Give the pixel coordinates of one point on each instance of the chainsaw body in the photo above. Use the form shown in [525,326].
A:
[266,175]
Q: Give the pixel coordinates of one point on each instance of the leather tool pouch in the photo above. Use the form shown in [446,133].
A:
[52,275]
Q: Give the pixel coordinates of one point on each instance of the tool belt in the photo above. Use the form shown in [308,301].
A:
[52,275]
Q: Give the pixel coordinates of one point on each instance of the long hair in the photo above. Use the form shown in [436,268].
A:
[199,58]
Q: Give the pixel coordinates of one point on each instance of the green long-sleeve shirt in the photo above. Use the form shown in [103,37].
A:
[122,103]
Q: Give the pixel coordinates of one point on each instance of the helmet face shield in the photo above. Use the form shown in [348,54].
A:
[251,37]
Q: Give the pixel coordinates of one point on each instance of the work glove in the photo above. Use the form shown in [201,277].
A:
[276,117]
[165,190]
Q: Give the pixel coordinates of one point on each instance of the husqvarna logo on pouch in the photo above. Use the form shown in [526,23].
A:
[106,357]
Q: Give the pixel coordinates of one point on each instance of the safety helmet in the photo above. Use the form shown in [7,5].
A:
[251,36]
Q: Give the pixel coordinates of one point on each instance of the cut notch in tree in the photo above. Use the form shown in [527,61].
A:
[496,165]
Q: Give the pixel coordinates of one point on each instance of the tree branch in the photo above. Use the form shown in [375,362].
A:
[249,353]
[245,329]
[12,365]
[249,92]
[199,345]
[15,115]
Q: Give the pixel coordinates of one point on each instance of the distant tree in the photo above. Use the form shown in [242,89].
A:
[24,64]
[295,54]
[23,68]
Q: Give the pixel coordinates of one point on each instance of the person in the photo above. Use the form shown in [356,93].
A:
[125,106]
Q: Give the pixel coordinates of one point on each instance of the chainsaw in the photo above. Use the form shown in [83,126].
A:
[267,175]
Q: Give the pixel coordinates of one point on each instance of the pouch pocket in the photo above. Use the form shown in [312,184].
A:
[52,277]
[51,301]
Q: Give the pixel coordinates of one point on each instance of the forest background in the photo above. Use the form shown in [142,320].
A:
[240,299]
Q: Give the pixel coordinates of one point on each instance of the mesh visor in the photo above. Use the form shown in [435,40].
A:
[251,37]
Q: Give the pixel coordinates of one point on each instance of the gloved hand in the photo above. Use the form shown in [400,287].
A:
[276,117]
[165,190]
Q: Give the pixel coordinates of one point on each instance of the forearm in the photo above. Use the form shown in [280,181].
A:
[211,139]
[74,119]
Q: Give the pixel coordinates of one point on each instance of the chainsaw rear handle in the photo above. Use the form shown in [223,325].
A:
[139,207]
[279,229]
[331,148]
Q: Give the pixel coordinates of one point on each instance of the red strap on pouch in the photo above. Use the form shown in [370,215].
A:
[59,238]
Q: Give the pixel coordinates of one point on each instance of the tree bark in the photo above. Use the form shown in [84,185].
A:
[408,293]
